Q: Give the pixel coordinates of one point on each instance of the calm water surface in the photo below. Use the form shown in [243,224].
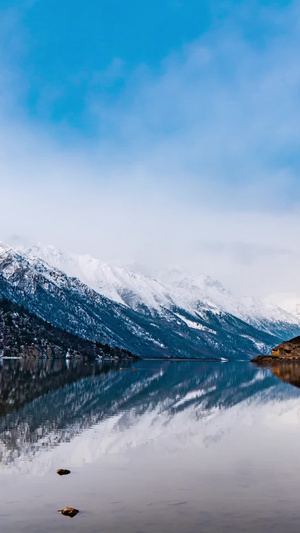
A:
[168,447]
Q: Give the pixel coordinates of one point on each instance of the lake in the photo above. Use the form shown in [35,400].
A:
[153,446]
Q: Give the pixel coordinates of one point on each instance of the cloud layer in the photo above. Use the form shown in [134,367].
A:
[195,163]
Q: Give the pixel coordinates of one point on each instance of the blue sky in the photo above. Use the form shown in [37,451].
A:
[165,132]
[75,49]
[70,51]
[80,49]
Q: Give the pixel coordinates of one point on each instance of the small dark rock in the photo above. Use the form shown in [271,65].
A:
[63,472]
[69,511]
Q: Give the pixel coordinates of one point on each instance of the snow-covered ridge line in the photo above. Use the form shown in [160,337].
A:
[173,288]
[174,315]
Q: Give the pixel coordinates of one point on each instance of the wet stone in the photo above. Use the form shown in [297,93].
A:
[69,511]
[63,472]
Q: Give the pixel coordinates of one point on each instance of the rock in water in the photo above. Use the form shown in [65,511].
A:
[286,351]
[69,511]
[63,472]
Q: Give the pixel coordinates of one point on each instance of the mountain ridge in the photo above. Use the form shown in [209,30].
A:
[173,330]
[172,287]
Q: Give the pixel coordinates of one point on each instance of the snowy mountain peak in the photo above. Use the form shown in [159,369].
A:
[4,248]
[181,278]
[174,315]
[116,283]
[173,288]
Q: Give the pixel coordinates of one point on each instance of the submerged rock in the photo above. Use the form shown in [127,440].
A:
[63,472]
[69,511]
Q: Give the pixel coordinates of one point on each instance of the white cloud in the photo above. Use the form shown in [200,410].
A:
[195,164]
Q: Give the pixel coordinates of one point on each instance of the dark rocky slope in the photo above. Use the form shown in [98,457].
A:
[22,334]
[286,351]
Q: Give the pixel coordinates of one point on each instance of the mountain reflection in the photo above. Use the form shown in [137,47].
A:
[45,403]
[287,371]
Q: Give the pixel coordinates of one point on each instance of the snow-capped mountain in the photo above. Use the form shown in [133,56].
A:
[171,288]
[288,301]
[176,316]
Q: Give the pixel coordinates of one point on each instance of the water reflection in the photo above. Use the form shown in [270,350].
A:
[169,446]
[287,371]
[45,403]
[21,381]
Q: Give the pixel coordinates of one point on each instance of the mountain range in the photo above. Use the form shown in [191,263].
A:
[172,315]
